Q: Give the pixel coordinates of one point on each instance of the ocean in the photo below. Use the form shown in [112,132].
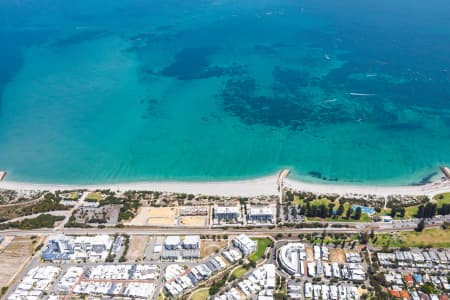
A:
[106,91]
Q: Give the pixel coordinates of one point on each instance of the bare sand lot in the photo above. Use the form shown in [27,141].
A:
[337,255]
[309,253]
[162,216]
[209,247]
[15,257]
[193,221]
[138,245]
[165,216]
[5,242]
[141,217]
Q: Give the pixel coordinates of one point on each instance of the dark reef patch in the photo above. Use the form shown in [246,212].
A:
[240,99]
[425,180]
[194,63]
[318,175]
[289,104]
[12,58]
[288,81]
[151,107]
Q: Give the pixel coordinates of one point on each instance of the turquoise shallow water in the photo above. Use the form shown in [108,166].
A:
[112,91]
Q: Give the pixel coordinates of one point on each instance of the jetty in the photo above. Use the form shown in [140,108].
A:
[2,175]
[282,176]
[446,171]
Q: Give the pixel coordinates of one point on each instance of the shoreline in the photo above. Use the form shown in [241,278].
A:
[430,189]
[261,186]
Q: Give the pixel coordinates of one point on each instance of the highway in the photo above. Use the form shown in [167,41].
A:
[201,231]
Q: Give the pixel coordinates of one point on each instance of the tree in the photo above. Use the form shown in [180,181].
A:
[393,212]
[420,211]
[330,209]
[364,238]
[349,213]
[323,211]
[358,213]
[280,296]
[420,226]
[340,209]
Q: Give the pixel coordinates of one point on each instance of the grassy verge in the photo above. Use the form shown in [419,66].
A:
[260,249]
[429,237]
[201,294]
[442,199]
[94,196]
[238,272]
[364,218]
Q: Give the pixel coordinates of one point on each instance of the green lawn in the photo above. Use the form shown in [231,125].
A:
[444,200]
[364,218]
[429,237]
[74,196]
[201,294]
[94,196]
[318,202]
[410,212]
[260,249]
[326,202]
[239,272]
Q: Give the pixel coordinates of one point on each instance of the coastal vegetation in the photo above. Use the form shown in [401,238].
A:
[41,221]
[426,238]
[262,245]
[94,197]
[328,208]
[48,202]
[238,273]
[200,294]
[217,285]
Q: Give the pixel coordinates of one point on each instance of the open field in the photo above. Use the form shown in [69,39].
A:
[309,253]
[165,216]
[325,201]
[337,255]
[260,249]
[141,217]
[239,272]
[364,218]
[94,196]
[15,257]
[201,294]
[138,245]
[6,240]
[162,216]
[442,199]
[209,247]
[193,220]
[429,237]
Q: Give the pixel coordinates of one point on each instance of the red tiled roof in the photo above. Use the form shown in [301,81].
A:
[405,294]
[395,293]
[408,278]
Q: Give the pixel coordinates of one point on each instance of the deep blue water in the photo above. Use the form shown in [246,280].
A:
[341,91]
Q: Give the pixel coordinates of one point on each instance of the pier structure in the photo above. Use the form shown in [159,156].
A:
[446,171]
[280,182]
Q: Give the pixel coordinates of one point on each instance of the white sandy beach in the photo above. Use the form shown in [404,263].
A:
[245,188]
[429,189]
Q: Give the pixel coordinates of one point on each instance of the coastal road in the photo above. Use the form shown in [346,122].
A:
[201,231]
